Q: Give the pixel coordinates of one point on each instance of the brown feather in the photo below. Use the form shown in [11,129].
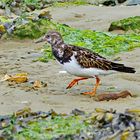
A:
[88,59]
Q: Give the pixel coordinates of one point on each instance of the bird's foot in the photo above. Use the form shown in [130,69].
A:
[72,84]
[92,93]
[75,81]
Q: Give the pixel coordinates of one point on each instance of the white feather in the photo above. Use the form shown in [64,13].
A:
[74,68]
[60,52]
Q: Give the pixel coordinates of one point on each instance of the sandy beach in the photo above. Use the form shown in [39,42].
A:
[17,56]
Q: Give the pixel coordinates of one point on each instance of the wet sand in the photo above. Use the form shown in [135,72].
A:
[17,56]
[93,17]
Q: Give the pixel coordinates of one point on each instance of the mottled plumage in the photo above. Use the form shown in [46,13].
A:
[80,61]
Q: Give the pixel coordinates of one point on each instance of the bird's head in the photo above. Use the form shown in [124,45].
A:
[52,37]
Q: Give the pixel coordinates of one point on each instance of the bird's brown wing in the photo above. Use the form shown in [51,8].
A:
[89,59]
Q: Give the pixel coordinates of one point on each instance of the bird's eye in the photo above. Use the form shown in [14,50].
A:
[47,36]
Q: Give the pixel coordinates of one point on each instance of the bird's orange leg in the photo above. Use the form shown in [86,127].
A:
[75,81]
[92,93]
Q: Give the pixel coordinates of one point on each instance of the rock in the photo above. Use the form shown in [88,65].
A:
[109,3]
[113,2]
[116,128]
[18,1]
[131,24]
[103,2]
[121,1]
[32,7]
[132,2]
[113,96]
[2,12]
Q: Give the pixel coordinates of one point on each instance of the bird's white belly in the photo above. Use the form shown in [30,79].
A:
[74,68]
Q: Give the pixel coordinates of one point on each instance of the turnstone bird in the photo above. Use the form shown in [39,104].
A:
[81,62]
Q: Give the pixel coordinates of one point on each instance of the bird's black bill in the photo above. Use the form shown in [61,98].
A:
[40,40]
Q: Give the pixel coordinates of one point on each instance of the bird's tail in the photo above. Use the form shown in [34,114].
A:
[122,68]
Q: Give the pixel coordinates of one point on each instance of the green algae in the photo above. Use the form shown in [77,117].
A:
[33,29]
[31,5]
[53,128]
[104,43]
[49,128]
[4,19]
[131,24]
[70,3]
[99,124]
